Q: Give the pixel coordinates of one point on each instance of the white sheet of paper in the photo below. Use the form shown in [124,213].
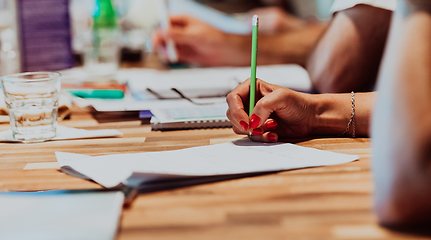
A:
[60,216]
[4,118]
[238,157]
[69,133]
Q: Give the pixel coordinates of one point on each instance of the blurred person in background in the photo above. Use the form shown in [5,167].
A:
[283,38]
[401,127]
[343,57]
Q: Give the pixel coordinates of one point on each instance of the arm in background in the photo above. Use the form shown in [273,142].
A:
[200,43]
[348,55]
[276,20]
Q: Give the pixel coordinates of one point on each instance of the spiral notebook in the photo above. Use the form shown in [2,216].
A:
[196,115]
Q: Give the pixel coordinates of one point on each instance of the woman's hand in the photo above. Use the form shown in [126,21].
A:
[200,43]
[279,112]
[284,113]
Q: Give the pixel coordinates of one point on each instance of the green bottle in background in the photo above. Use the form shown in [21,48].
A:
[104,16]
[102,57]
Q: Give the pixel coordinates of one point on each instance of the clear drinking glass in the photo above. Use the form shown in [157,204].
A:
[32,102]
[102,52]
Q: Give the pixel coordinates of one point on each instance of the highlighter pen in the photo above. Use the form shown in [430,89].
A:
[97,93]
[253,64]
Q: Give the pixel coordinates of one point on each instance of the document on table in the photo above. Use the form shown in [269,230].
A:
[148,86]
[195,116]
[145,84]
[223,161]
[60,215]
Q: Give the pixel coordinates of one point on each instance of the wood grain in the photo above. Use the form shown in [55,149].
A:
[316,203]
[333,202]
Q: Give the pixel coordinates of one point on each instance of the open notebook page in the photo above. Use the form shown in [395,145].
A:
[238,157]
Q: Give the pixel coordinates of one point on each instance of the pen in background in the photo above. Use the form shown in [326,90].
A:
[165,24]
[255,22]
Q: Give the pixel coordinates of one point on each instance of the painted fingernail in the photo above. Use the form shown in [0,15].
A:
[272,137]
[254,121]
[244,125]
[271,124]
[257,131]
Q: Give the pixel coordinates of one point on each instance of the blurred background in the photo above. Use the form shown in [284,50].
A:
[30,30]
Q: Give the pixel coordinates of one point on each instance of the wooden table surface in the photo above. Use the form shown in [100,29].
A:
[317,203]
[333,202]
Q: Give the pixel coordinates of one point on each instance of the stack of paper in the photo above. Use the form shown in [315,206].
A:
[152,170]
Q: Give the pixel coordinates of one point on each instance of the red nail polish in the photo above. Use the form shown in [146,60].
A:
[254,121]
[272,138]
[257,131]
[271,125]
[244,125]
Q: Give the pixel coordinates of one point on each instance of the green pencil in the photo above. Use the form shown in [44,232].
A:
[253,63]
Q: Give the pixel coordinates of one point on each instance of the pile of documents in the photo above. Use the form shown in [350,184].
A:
[197,95]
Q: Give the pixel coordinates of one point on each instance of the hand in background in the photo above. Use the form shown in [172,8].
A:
[279,112]
[347,56]
[275,20]
[200,43]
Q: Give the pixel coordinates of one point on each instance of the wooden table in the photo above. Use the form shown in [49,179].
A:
[316,203]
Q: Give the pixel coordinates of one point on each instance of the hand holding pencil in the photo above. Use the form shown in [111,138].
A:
[279,112]
[273,106]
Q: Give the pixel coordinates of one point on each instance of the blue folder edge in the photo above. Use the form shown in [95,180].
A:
[145,114]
